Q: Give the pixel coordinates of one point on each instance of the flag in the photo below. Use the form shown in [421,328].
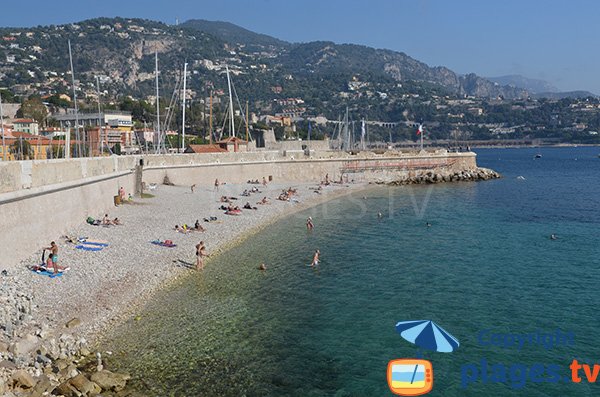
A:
[420,130]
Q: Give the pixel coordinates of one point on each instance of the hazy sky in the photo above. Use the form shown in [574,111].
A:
[547,39]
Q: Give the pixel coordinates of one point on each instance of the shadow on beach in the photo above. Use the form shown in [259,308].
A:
[184,264]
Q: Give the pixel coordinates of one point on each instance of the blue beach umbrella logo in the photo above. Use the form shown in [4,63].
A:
[427,335]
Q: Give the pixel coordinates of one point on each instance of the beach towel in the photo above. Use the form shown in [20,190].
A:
[87,241]
[47,273]
[86,247]
[164,243]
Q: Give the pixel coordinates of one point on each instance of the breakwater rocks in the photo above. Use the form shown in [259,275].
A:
[430,177]
[36,361]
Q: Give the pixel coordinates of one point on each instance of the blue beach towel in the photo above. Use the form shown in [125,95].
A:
[47,273]
[86,247]
[84,241]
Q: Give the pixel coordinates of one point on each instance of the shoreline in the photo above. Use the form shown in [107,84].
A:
[69,316]
[100,336]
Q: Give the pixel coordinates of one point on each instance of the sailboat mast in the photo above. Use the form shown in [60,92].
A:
[99,117]
[422,132]
[184,95]
[210,127]
[231,124]
[2,128]
[159,149]
[247,130]
[68,135]
[346,131]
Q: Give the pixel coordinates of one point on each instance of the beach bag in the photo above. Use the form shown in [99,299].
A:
[90,220]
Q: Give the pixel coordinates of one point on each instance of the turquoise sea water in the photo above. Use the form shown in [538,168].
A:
[486,263]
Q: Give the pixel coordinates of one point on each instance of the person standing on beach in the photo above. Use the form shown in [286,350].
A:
[122,194]
[264,181]
[315,260]
[54,250]
[193,187]
[216,185]
[309,223]
[200,254]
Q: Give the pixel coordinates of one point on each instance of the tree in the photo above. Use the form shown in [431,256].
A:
[7,96]
[22,150]
[33,108]
[117,148]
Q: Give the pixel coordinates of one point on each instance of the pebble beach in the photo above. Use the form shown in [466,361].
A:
[66,315]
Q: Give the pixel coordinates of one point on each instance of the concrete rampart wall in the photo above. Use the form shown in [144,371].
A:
[42,200]
[32,218]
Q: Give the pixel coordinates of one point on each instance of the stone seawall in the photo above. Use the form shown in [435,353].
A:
[41,200]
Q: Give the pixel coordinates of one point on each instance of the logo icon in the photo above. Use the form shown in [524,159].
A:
[410,376]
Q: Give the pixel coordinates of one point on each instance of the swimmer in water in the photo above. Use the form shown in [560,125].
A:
[553,237]
[315,260]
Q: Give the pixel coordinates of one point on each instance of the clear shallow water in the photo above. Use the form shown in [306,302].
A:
[485,263]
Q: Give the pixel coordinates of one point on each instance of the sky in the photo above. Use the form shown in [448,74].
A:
[552,40]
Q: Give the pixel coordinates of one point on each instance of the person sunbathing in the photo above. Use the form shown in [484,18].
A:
[198,227]
[106,220]
[264,201]
[117,222]
[249,207]
[180,229]
[245,193]
[50,266]
[225,199]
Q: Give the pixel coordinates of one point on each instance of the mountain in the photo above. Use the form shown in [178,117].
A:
[534,86]
[322,57]
[121,52]
[234,34]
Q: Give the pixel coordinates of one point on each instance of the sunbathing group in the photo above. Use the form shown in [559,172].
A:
[50,266]
[286,195]
[187,229]
[247,192]
[230,207]
[105,221]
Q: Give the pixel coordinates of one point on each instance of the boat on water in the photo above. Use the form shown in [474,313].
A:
[538,156]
